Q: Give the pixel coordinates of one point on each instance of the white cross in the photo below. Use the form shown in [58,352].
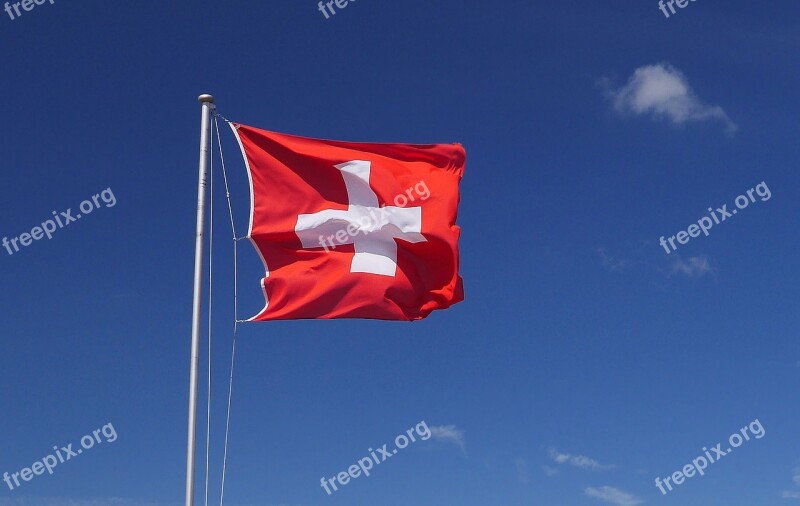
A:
[376,250]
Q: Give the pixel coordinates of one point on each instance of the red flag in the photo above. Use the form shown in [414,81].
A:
[353,230]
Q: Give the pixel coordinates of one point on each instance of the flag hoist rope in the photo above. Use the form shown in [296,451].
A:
[235,310]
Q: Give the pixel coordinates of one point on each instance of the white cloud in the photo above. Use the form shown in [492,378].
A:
[613,495]
[663,91]
[790,495]
[796,476]
[694,268]
[581,461]
[449,433]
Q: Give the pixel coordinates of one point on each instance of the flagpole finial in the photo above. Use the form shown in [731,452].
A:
[206,98]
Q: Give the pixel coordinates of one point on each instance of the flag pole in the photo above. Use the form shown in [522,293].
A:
[207,102]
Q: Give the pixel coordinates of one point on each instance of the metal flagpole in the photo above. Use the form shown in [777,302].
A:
[205,126]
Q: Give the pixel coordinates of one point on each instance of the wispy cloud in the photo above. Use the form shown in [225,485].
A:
[694,268]
[581,461]
[788,494]
[611,263]
[522,471]
[109,501]
[549,471]
[663,91]
[449,433]
[52,501]
[613,495]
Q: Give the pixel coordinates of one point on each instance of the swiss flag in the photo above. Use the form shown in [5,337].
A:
[353,230]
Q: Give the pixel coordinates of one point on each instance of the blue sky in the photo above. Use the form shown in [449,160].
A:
[585,360]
